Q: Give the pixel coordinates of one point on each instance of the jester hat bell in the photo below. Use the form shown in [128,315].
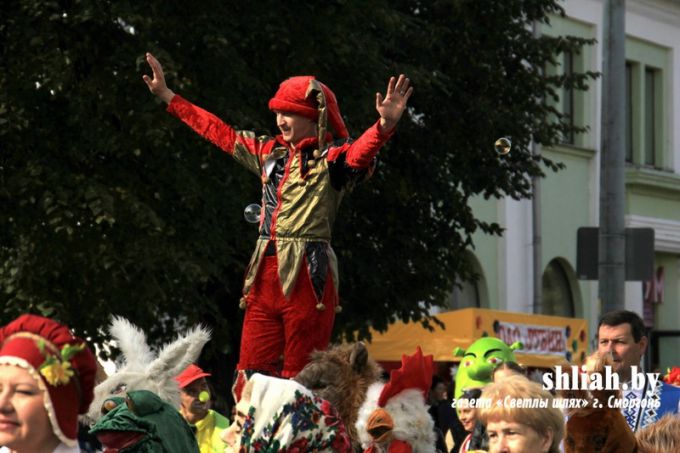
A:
[62,365]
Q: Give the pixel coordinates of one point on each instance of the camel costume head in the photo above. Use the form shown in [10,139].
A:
[597,427]
[341,375]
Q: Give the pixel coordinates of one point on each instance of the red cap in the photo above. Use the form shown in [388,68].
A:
[62,365]
[189,375]
[298,95]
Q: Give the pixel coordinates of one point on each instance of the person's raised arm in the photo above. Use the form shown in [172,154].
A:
[360,154]
[242,145]
[157,85]
[392,106]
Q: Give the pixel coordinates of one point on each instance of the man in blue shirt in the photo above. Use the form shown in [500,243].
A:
[622,334]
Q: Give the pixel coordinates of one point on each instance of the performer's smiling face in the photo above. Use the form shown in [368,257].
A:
[295,127]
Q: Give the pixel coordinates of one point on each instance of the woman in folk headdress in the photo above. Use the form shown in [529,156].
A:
[46,379]
[281,415]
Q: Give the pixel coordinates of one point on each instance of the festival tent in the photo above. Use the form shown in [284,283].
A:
[547,340]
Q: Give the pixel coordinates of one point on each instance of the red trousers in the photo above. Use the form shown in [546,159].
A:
[279,333]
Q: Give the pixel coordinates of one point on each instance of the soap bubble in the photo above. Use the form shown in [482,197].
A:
[252,213]
[503,145]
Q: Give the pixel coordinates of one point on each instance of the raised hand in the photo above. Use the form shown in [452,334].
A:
[392,106]
[157,85]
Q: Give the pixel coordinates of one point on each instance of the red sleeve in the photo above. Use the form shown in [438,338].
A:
[210,126]
[360,153]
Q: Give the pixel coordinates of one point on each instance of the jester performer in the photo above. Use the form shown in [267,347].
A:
[290,294]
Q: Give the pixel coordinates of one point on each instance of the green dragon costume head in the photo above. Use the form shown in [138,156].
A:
[140,422]
[479,361]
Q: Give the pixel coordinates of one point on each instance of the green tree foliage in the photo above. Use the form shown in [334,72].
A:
[110,206]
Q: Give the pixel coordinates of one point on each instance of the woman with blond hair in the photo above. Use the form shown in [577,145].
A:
[519,417]
[661,436]
[46,380]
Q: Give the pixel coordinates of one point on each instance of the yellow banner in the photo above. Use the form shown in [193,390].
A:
[547,340]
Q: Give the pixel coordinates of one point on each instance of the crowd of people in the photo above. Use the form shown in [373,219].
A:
[515,414]
[49,377]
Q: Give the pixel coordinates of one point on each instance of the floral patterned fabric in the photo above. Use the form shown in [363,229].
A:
[284,416]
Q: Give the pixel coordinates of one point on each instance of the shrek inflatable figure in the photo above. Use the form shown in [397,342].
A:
[479,360]
[140,422]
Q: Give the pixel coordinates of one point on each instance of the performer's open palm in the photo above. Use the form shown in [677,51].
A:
[157,85]
[392,106]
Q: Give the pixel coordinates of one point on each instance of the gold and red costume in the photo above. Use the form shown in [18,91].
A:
[291,284]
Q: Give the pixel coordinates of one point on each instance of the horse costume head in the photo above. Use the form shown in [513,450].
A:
[597,427]
[341,375]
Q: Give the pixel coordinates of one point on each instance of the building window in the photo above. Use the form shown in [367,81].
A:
[568,97]
[650,116]
[571,101]
[646,69]
[558,298]
[466,296]
[629,112]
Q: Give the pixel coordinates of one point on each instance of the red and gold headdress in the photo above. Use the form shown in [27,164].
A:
[306,96]
[62,365]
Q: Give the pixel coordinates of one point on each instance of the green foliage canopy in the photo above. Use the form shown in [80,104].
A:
[110,206]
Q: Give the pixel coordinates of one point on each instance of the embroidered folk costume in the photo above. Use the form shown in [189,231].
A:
[644,407]
[282,415]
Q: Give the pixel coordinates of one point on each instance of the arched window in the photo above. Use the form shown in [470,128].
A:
[558,296]
[469,294]
[466,296]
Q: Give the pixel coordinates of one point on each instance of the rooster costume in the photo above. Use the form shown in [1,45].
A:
[394,418]
[290,292]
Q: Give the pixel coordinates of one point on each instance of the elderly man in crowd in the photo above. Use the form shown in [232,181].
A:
[195,408]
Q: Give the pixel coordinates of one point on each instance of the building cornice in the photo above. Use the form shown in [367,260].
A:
[664,11]
[663,183]
[571,150]
[666,232]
